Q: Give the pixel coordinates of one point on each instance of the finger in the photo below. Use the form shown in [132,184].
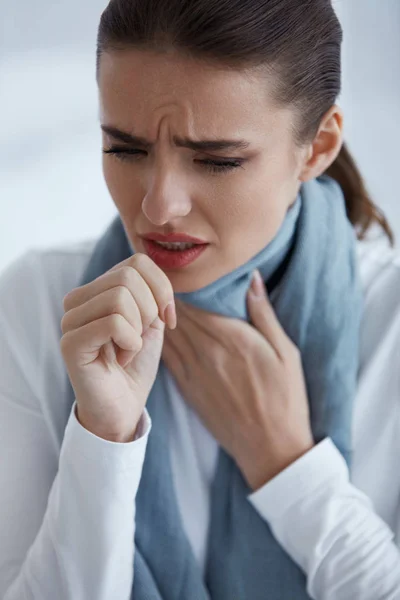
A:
[116,300]
[264,318]
[84,343]
[155,277]
[127,278]
[131,272]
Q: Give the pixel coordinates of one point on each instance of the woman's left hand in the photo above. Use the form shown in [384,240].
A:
[245,382]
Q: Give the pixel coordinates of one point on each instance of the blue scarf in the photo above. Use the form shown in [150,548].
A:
[311,274]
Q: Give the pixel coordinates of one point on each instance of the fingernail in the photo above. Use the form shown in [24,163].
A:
[170,315]
[257,284]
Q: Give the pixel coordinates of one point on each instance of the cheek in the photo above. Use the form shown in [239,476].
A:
[254,207]
[122,185]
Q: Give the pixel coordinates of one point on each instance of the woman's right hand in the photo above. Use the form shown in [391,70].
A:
[113,333]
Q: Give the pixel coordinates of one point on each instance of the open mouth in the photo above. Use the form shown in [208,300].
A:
[176,246]
[172,255]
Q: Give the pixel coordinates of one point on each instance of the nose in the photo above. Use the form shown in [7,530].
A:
[167,197]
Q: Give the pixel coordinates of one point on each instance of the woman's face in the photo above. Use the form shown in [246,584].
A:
[167,188]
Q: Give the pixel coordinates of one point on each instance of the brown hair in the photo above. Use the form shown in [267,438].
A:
[299,41]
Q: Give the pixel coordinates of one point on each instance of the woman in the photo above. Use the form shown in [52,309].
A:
[247,417]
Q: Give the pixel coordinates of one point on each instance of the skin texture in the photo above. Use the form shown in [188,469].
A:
[168,189]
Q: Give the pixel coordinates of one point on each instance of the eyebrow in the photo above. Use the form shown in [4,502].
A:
[199,145]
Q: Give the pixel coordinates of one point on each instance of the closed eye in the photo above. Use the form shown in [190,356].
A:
[123,153]
[214,166]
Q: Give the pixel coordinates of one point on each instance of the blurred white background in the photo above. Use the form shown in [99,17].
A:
[51,185]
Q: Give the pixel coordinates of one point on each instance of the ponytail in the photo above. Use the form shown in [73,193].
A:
[361,211]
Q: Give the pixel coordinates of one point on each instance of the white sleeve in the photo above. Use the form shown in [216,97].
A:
[330,529]
[67,497]
[84,545]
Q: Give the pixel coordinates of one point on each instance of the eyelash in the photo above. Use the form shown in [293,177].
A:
[211,165]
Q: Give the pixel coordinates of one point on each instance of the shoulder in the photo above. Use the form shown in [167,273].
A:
[379,267]
[376,409]
[379,264]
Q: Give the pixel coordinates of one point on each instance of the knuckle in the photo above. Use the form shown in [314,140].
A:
[164,288]
[141,260]
[65,323]
[115,321]
[127,275]
[118,299]
[68,300]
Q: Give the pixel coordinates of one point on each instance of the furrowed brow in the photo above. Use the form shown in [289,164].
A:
[197,145]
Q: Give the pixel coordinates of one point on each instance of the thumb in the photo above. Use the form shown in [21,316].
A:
[152,343]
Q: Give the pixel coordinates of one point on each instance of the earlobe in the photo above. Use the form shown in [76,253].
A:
[326,145]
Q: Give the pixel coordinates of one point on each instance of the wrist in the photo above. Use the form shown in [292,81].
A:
[111,435]
[261,469]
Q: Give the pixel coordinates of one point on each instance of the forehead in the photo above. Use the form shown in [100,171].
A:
[139,87]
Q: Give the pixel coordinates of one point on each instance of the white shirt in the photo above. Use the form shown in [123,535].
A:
[67,511]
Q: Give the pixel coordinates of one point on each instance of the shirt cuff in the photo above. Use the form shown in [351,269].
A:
[144,426]
[102,453]
[299,480]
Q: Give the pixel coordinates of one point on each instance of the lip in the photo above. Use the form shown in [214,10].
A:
[173,237]
[172,259]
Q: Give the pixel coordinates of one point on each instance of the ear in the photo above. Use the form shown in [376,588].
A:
[326,145]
